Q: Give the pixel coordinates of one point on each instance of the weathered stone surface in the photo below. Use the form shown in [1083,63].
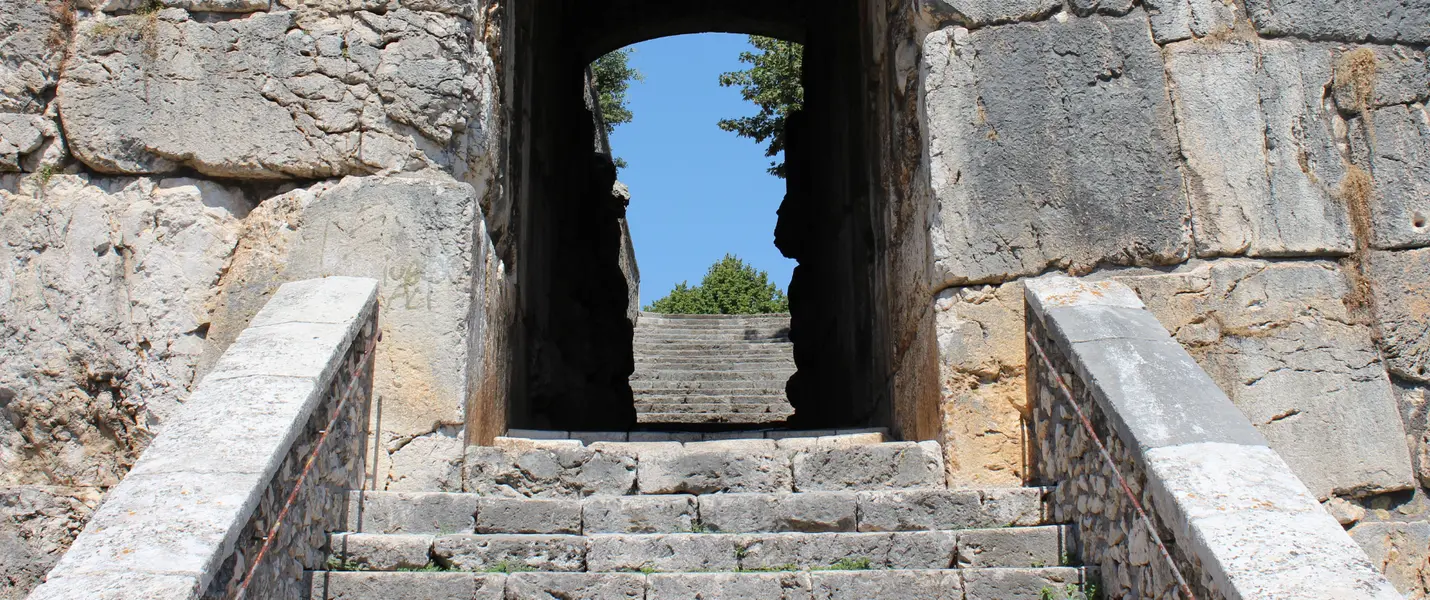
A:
[913,510]
[977,13]
[1043,546]
[1278,339]
[383,552]
[1400,299]
[510,552]
[728,586]
[895,465]
[416,512]
[980,345]
[104,587]
[672,552]
[431,462]
[525,515]
[1261,154]
[1415,412]
[638,514]
[1405,21]
[1020,186]
[99,346]
[353,93]
[29,143]
[1401,551]
[808,512]
[908,550]
[1398,159]
[1174,20]
[575,586]
[710,467]
[37,523]
[1020,584]
[911,584]
[416,237]
[543,473]
[1399,75]
[34,34]
[339,585]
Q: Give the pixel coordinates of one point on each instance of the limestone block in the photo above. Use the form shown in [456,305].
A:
[908,550]
[1401,551]
[1415,411]
[710,467]
[575,586]
[728,586]
[638,514]
[410,512]
[1400,299]
[670,552]
[523,515]
[1174,20]
[510,552]
[915,510]
[1018,584]
[339,585]
[1279,340]
[911,584]
[382,552]
[1019,186]
[542,473]
[808,512]
[414,236]
[1042,546]
[895,465]
[29,59]
[1259,148]
[977,13]
[106,587]
[1403,21]
[980,344]
[430,462]
[347,94]
[1398,155]
[1401,75]
[37,524]
[21,134]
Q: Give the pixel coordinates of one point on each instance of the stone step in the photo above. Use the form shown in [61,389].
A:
[1049,583]
[653,399]
[439,513]
[723,408]
[747,465]
[748,362]
[730,388]
[668,348]
[705,418]
[761,375]
[651,317]
[1041,546]
[708,354]
[741,334]
[524,438]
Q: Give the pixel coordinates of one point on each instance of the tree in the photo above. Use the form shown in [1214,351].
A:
[614,75]
[730,287]
[773,83]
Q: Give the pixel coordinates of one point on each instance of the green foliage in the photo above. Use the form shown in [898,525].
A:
[773,83]
[338,564]
[614,75]
[1073,591]
[730,287]
[851,564]
[431,567]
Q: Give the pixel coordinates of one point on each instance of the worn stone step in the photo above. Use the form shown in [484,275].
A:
[743,333]
[1040,546]
[713,374]
[1050,583]
[645,347]
[651,399]
[701,362]
[727,319]
[716,408]
[730,387]
[689,418]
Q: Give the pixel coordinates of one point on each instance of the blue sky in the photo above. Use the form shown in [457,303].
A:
[696,192]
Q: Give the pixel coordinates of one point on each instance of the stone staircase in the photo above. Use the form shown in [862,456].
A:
[834,517]
[696,369]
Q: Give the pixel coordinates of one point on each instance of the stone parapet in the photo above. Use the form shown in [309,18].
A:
[234,497]
[1168,485]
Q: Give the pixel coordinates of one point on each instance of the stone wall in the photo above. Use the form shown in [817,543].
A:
[234,498]
[1172,490]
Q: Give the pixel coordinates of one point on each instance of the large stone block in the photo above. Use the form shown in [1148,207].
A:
[1405,21]
[1174,20]
[1261,154]
[549,473]
[672,552]
[809,512]
[1278,338]
[349,94]
[416,512]
[510,552]
[1020,185]
[340,585]
[894,465]
[1400,298]
[977,13]
[575,586]
[910,585]
[1397,155]
[728,586]
[908,550]
[431,462]
[980,345]
[638,514]
[528,515]
[1044,546]
[382,552]
[914,510]
[37,524]
[35,36]
[1401,551]
[1021,584]
[710,467]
